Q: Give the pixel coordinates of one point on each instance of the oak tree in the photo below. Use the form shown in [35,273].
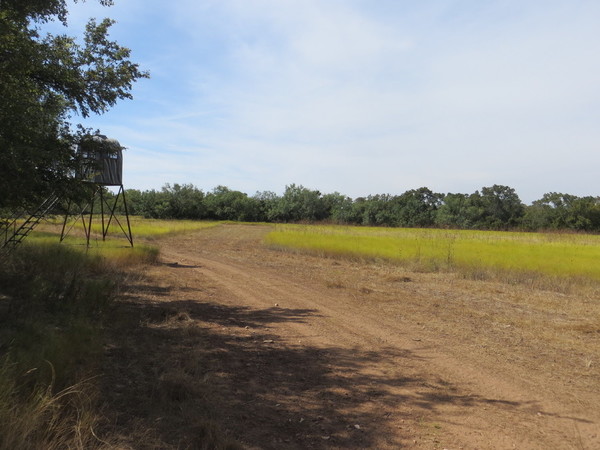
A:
[45,81]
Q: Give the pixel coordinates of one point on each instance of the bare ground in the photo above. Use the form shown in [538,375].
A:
[276,350]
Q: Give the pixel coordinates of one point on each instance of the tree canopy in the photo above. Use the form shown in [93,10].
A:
[46,80]
[495,207]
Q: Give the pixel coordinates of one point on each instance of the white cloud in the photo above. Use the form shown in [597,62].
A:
[361,98]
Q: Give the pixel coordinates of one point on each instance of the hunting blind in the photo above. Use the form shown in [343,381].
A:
[100,164]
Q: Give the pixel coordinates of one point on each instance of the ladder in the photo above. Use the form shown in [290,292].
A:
[22,231]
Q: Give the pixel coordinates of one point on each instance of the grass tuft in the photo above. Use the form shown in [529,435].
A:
[42,418]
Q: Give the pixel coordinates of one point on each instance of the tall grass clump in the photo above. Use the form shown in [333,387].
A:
[508,255]
[53,302]
[42,418]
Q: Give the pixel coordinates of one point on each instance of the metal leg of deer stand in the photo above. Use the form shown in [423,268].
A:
[62,233]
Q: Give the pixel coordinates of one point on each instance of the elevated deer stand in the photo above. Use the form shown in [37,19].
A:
[102,166]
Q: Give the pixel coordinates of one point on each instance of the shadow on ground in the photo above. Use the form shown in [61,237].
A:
[185,373]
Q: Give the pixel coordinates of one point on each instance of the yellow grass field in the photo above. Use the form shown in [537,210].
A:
[116,247]
[549,254]
[141,227]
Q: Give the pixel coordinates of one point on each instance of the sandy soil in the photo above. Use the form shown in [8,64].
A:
[279,350]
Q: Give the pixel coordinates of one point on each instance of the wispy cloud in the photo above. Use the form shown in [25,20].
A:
[361,98]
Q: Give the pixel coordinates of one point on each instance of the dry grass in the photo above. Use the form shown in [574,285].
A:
[54,300]
[41,418]
[56,305]
[542,321]
[535,321]
[534,340]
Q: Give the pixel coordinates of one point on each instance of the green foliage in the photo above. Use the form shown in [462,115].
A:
[225,204]
[298,203]
[265,203]
[454,212]
[182,201]
[418,208]
[171,202]
[41,10]
[340,207]
[496,207]
[555,211]
[377,210]
[501,207]
[44,80]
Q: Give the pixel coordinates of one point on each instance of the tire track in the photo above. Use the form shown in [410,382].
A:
[476,407]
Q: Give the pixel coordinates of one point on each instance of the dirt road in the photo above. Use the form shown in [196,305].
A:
[281,350]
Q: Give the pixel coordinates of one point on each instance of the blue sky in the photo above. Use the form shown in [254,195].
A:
[359,96]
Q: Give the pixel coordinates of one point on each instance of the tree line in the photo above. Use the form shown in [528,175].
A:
[492,208]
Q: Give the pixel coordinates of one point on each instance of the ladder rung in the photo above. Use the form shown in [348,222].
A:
[29,224]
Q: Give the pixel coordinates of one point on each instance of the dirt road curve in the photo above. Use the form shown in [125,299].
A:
[305,352]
